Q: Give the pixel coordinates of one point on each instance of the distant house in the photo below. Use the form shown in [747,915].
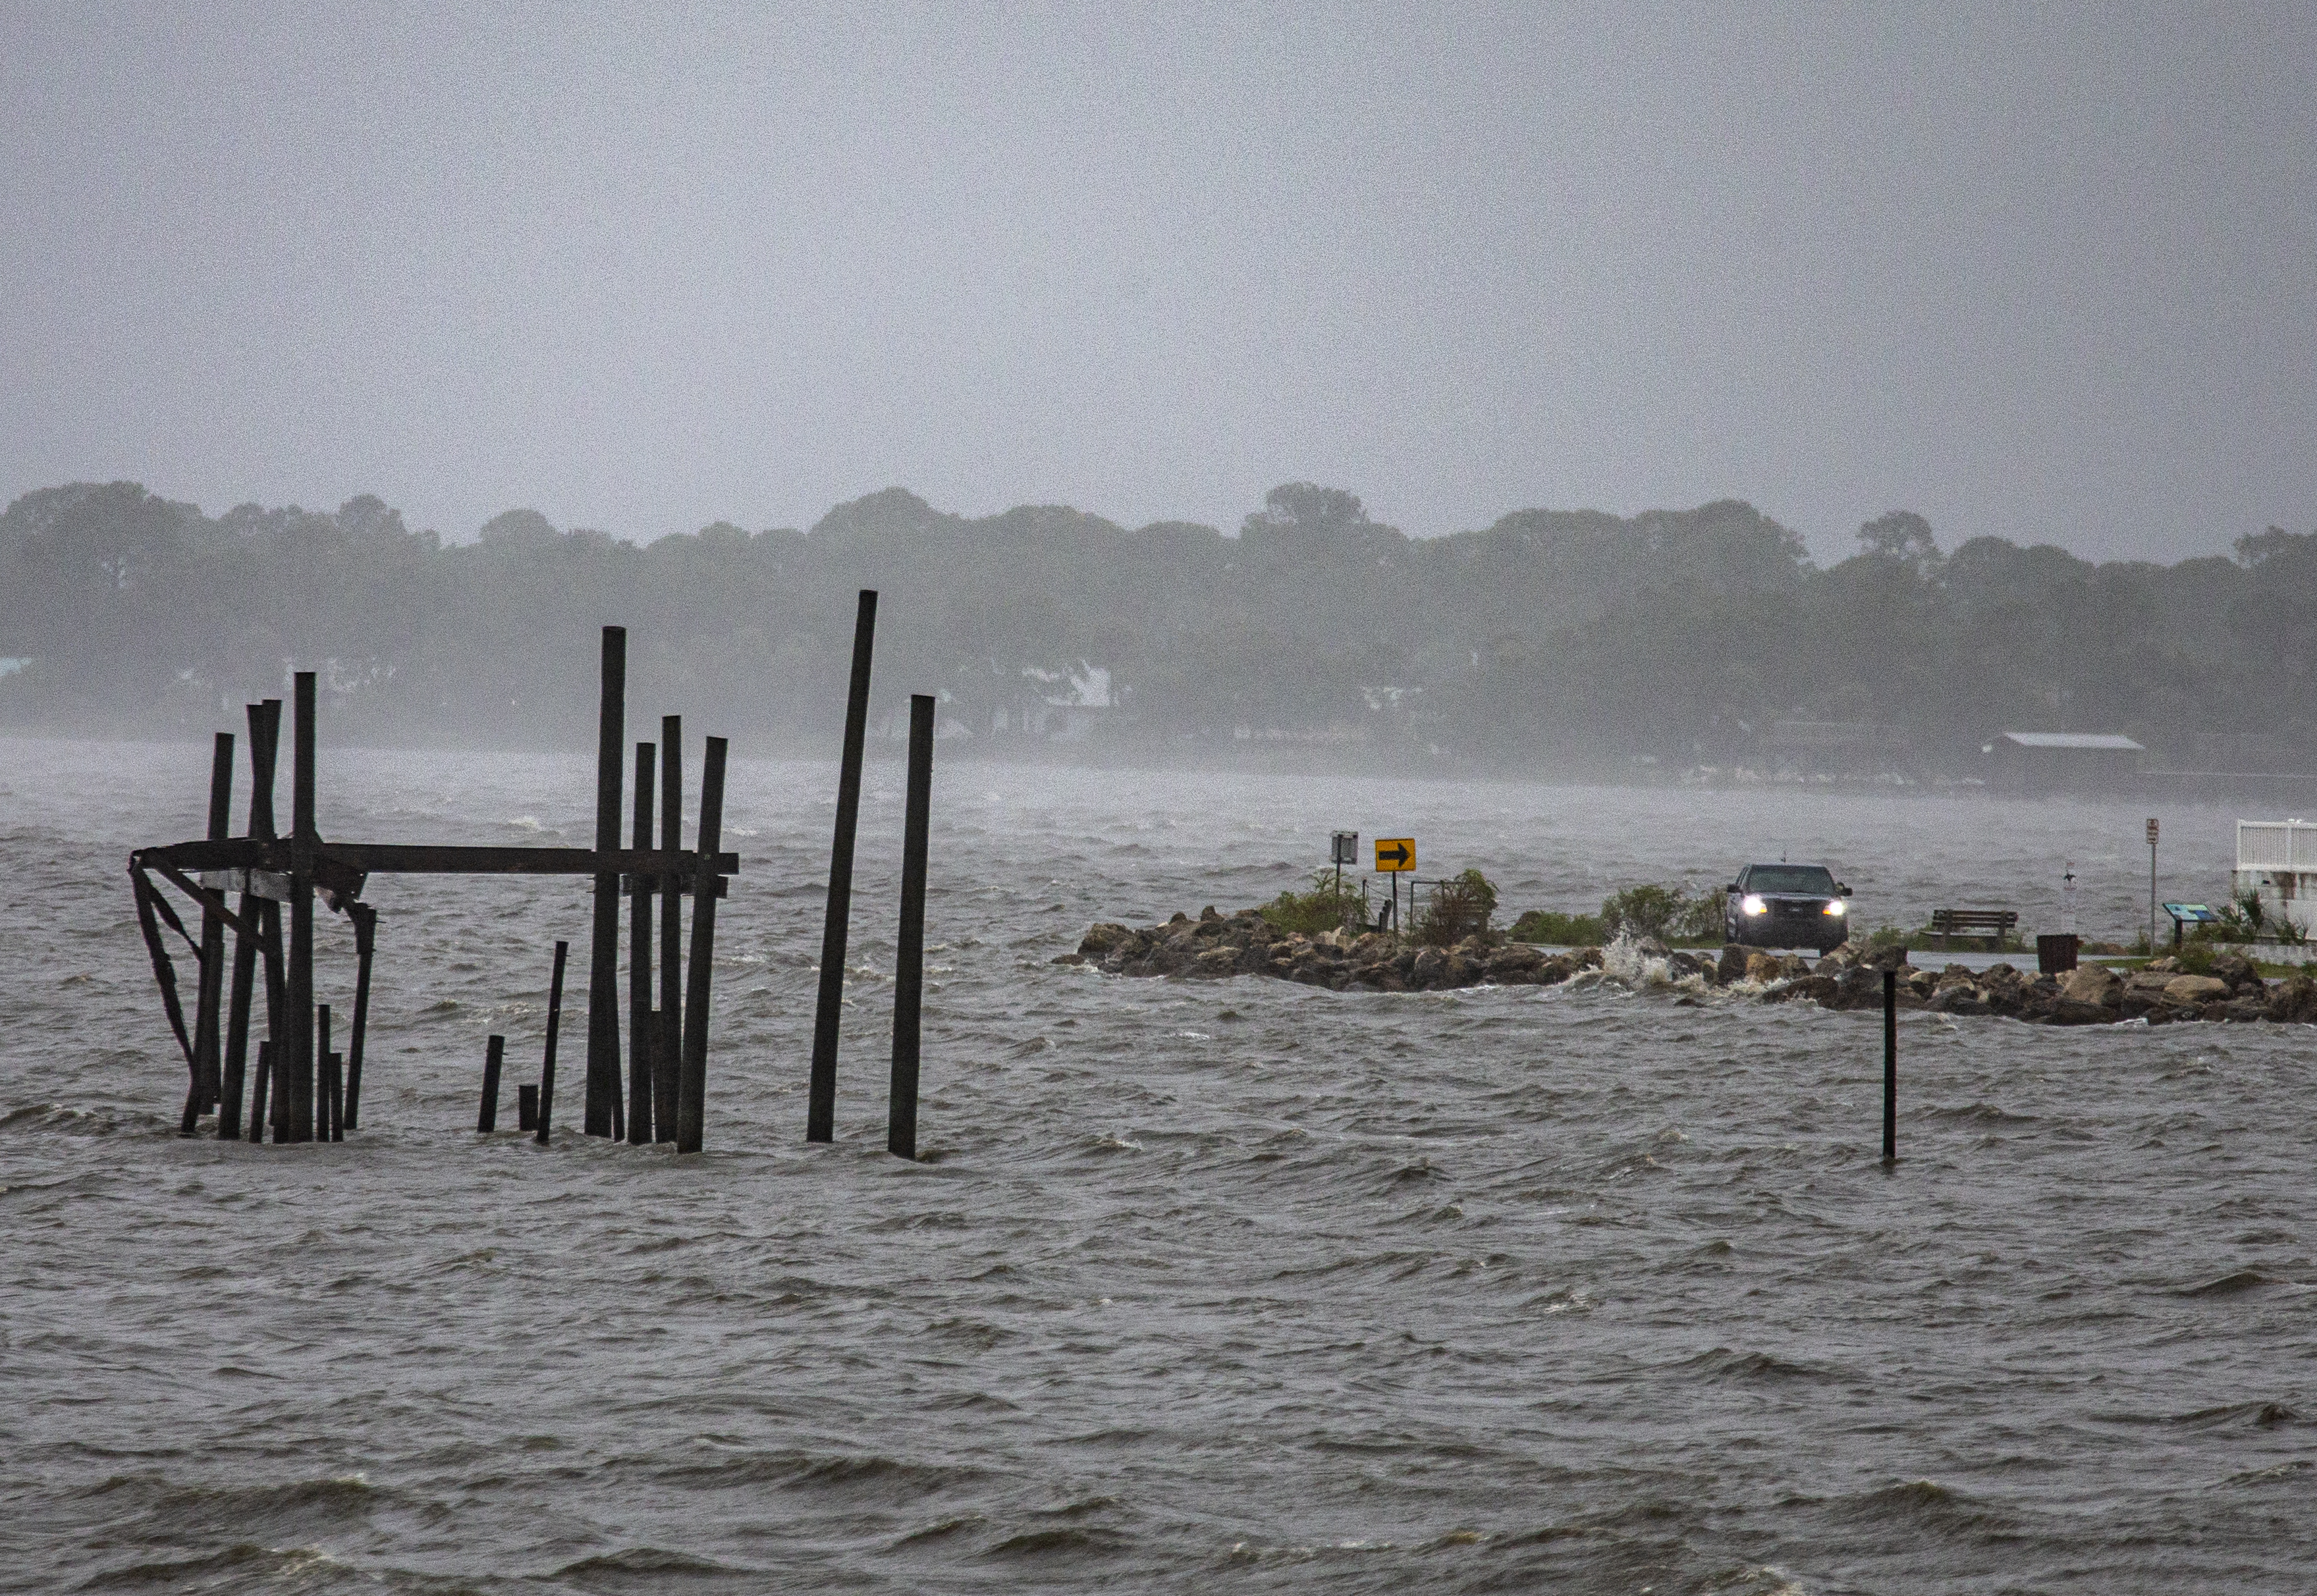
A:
[2051,761]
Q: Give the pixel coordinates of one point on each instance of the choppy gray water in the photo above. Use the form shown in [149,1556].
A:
[1237,1286]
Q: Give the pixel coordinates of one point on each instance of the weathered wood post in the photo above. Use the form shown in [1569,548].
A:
[365,919]
[209,995]
[494,1057]
[333,1071]
[324,1117]
[275,950]
[692,1098]
[257,1120]
[1889,1067]
[547,1062]
[248,940]
[643,1056]
[603,1112]
[667,1032]
[820,1108]
[297,1068]
[909,965]
[526,1106]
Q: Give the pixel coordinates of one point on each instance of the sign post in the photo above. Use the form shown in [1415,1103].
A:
[1395,857]
[1343,847]
[2152,887]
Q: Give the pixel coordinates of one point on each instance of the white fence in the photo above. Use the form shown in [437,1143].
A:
[2276,861]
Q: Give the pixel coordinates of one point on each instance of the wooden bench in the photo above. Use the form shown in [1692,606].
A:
[1993,924]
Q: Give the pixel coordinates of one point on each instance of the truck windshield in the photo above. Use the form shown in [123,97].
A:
[1790,878]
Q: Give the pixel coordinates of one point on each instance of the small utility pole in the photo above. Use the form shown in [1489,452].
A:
[2151,885]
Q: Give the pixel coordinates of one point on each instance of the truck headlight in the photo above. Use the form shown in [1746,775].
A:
[1753,904]
[1835,907]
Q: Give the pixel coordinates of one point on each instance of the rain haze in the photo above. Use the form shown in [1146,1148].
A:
[2035,272]
[1248,800]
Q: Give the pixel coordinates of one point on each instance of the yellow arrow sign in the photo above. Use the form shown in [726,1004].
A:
[1395,853]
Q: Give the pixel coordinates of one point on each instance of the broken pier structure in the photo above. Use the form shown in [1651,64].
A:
[242,885]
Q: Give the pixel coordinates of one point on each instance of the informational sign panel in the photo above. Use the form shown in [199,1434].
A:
[2152,831]
[1346,848]
[1393,854]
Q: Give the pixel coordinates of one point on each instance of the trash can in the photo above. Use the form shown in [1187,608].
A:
[2056,955]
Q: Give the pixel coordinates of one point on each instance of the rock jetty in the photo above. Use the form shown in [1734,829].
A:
[1214,946]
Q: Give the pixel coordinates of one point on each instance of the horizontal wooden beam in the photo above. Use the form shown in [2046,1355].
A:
[339,865]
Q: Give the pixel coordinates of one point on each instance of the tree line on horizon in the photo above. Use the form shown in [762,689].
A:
[1551,639]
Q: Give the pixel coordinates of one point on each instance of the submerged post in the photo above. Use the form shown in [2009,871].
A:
[245,941]
[494,1056]
[1889,1067]
[526,1106]
[667,1023]
[909,965]
[296,1090]
[365,919]
[643,1057]
[325,1117]
[547,1062]
[209,995]
[820,1108]
[603,1113]
[257,1091]
[692,1097]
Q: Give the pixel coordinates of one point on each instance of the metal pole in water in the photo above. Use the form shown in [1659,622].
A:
[820,1107]
[909,965]
[1889,1067]
[604,1114]
[554,1023]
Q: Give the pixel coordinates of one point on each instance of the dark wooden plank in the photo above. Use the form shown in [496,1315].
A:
[494,1057]
[250,935]
[422,859]
[820,1107]
[547,1062]
[297,1062]
[365,919]
[692,1097]
[641,1060]
[603,1109]
[909,964]
[209,997]
[667,1035]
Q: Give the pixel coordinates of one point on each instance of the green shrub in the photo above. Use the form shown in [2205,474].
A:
[1567,931]
[1326,907]
[1458,907]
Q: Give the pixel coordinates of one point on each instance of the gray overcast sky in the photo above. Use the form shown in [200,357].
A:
[2043,271]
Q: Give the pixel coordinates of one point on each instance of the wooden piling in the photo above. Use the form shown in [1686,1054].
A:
[297,1086]
[526,1106]
[692,1097]
[210,995]
[322,1056]
[257,1120]
[820,1107]
[547,1064]
[667,1033]
[247,942]
[1889,1067]
[909,965]
[365,919]
[494,1056]
[334,1075]
[604,1110]
[643,1056]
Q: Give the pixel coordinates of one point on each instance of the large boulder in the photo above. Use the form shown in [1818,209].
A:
[2092,984]
[2195,991]
[2293,999]
[1732,967]
[1105,938]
